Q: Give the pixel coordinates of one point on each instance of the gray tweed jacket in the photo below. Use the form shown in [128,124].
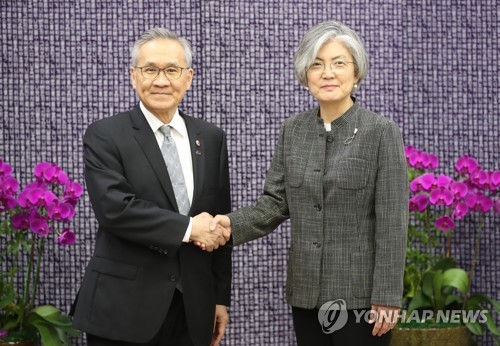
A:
[346,194]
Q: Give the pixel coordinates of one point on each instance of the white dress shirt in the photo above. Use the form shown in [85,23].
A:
[181,138]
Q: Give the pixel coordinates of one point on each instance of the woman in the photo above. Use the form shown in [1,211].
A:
[339,174]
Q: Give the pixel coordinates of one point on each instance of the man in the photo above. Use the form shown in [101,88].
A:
[146,283]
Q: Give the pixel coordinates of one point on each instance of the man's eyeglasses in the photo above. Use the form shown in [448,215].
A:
[171,72]
[337,66]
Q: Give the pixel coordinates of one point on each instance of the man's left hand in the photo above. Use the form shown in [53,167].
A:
[220,324]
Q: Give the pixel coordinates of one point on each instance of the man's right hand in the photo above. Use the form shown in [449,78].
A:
[212,238]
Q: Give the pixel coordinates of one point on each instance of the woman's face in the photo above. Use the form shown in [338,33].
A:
[331,77]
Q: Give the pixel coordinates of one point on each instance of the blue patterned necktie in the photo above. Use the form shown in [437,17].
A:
[171,157]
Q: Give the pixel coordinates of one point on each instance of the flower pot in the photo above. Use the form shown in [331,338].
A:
[451,336]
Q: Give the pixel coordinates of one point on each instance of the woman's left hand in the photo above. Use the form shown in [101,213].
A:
[384,317]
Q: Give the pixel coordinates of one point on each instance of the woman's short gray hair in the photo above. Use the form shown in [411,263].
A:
[323,33]
[160,33]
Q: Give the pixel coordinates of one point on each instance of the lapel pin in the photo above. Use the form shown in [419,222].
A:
[197,142]
[198,152]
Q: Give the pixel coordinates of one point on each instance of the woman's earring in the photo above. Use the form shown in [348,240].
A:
[355,86]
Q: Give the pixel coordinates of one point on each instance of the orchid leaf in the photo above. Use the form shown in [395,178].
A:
[420,300]
[7,300]
[427,287]
[437,284]
[47,334]
[475,300]
[475,328]
[51,315]
[457,278]
[45,310]
[491,324]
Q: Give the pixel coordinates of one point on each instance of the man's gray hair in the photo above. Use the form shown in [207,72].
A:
[160,33]
[323,33]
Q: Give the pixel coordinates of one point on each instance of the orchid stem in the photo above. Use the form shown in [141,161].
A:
[38,265]
[27,282]
[448,244]
[476,249]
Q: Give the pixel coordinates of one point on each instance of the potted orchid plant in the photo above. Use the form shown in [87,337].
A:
[42,210]
[433,281]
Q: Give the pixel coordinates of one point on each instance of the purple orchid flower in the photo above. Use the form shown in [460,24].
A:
[419,159]
[40,171]
[478,201]
[409,150]
[433,162]
[39,197]
[495,180]
[459,189]
[35,196]
[62,177]
[22,199]
[442,182]
[67,237]
[441,197]
[37,184]
[20,221]
[466,165]
[460,210]
[50,173]
[419,202]
[38,224]
[7,203]
[487,182]
[4,333]
[480,179]
[445,223]
[483,203]
[9,185]
[60,211]
[422,183]
[5,169]
[40,206]
[73,190]
[470,199]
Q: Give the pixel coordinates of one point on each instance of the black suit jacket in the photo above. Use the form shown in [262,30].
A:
[139,254]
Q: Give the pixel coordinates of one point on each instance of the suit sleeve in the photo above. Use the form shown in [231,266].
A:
[271,209]
[391,211]
[222,265]
[114,202]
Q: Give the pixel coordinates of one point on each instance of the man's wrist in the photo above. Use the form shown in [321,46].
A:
[187,235]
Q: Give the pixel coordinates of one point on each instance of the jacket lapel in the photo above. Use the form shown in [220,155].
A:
[147,141]
[197,146]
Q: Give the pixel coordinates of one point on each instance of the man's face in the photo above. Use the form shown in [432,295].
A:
[161,95]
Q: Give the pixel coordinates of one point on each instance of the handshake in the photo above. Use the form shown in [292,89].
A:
[210,232]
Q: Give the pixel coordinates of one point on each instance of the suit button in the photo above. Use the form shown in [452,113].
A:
[165,252]
[318,207]
[172,278]
[317,244]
